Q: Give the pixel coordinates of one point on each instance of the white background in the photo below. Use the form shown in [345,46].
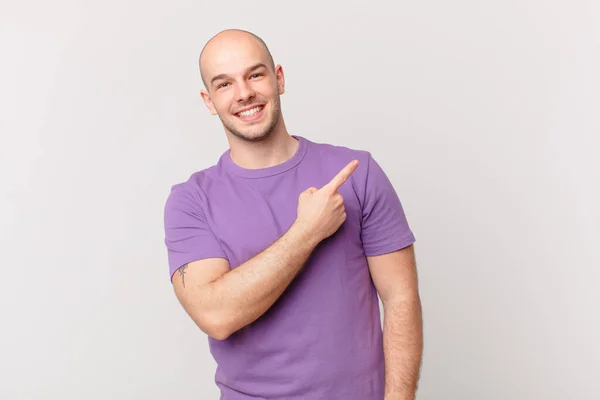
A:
[485,115]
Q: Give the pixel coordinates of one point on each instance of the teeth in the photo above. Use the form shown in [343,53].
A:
[252,111]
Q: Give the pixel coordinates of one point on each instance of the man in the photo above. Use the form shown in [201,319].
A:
[279,250]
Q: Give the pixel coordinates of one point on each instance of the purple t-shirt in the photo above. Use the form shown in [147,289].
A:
[322,338]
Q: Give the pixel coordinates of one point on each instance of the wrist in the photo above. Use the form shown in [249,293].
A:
[303,234]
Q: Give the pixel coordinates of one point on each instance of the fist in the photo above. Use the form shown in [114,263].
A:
[321,211]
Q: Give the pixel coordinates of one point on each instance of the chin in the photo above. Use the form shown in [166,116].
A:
[255,133]
[252,136]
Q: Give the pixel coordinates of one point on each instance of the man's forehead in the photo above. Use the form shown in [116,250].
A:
[233,57]
[232,52]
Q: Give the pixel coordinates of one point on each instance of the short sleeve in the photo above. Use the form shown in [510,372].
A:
[188,236]
[384,226]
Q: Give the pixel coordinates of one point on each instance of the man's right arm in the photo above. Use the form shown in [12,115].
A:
[222,301]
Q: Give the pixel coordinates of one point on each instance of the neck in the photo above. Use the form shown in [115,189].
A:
[279,147]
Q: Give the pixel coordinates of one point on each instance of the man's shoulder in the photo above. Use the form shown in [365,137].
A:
[196,183]
[340,151]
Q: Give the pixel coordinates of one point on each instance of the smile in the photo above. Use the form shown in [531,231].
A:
[250,114]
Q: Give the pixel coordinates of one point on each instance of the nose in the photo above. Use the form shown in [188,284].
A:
[245,91]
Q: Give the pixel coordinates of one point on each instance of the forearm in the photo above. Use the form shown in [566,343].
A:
[403,347]
[242,295]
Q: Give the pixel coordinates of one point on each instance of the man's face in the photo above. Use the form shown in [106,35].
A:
[243,90]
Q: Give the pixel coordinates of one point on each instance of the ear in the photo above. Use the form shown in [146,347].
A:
[280,79]
[208,101]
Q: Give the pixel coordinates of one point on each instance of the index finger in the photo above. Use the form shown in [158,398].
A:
[343,175]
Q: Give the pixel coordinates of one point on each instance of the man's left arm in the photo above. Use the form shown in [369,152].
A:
[395,277]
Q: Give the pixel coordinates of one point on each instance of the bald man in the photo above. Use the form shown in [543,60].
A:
[279,251]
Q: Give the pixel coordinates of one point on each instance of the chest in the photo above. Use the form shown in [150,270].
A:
[247,217]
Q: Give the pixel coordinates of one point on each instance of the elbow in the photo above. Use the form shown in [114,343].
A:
[215,327]
[219,333]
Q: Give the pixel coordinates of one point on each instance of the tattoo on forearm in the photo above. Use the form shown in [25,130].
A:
[182,273]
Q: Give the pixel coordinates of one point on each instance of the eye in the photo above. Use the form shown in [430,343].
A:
[255,75]
[222,85]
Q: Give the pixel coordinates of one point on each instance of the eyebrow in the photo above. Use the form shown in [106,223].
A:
[248,70]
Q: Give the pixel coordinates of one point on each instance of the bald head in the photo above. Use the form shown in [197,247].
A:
[225,46]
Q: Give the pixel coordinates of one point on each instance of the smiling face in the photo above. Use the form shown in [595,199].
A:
[242,85]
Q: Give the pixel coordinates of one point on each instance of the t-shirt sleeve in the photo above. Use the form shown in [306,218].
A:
[385,227]
[188,236]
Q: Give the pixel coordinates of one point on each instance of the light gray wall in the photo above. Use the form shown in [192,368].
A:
[484,114]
